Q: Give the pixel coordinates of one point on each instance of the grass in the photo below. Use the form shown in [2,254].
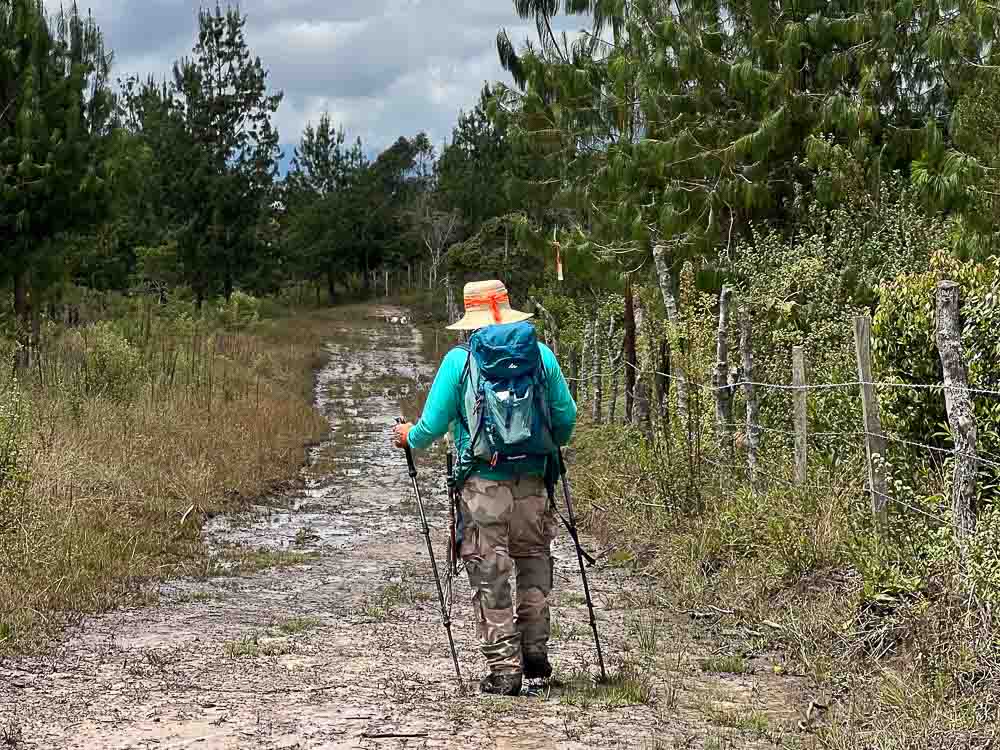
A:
[296,625]
[626,687]
[791,573]
[560,631]
[197,597]
[383,605]
[250,646]
[11,734]
[250,560]
[305,536]
[725,664]
[646,631]
[129,435]
[754,724]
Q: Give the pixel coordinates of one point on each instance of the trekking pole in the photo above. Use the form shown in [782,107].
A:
[430,552]
[452,520]
[579,557]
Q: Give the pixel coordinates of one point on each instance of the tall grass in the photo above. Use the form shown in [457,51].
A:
[124,435]
[806,574]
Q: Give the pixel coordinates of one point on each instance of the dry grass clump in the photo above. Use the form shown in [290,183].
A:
[126,440]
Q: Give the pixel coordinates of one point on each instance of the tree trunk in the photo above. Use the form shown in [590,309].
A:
[36,327]
[551,329]
[453,312]
[641,399]
[613,406]
[614,360]
[665,281]
[630,359]
[331,287]
[584,362]
[22,360]
[596,374]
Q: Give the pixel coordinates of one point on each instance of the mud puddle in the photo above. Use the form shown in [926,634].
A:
[329,636]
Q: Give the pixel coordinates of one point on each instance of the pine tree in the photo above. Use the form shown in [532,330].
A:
[681,124]
[54,110]
[227,109]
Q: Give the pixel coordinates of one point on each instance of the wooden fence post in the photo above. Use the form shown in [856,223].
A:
[961,413]
[720,378]
[874,439]
[596,375]
[799,396]
[752,419]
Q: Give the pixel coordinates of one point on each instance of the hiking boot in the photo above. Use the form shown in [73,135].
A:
[537,667]
[501,684]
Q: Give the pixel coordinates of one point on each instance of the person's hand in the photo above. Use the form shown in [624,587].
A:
[400,434]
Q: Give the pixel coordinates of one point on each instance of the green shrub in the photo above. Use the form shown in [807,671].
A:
[110,365]
[904,349]
[905,352]
[805,289]
[239,312]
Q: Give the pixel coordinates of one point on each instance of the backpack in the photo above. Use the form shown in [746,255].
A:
[505,400]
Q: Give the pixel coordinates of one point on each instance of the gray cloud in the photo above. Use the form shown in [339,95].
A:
[382,68]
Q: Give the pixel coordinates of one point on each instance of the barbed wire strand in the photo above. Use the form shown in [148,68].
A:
[787,387]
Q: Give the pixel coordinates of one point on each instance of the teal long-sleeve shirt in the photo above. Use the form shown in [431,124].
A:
[445,403]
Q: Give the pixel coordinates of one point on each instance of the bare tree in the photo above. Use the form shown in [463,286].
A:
[436,229]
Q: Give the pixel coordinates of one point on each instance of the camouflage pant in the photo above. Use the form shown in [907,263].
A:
[508,524]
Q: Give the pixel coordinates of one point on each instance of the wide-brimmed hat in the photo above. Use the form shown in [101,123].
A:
[486,303]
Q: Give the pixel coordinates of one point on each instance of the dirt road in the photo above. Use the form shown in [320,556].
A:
[324,632]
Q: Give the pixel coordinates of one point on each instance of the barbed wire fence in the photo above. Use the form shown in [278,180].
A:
[868,444]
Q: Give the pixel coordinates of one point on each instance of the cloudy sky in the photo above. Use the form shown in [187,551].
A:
[381,68]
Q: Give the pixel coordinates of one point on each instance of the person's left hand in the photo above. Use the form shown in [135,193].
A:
[401,434]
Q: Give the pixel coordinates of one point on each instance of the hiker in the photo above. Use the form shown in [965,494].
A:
[507,517]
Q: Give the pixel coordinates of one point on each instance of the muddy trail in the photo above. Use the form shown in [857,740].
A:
[320,628]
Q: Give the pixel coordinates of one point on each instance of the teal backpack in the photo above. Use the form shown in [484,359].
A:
[505,400]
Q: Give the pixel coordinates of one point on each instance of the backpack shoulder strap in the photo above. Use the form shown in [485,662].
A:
[468,383]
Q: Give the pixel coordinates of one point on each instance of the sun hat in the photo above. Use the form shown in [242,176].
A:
[486,303]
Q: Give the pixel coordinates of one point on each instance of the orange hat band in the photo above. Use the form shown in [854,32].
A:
[491,301]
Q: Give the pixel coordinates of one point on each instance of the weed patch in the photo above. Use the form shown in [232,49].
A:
[383,605]
[247,560]
[295,625]
[197,597]
[725,664]
[626,687]
[250,646]
[646,631]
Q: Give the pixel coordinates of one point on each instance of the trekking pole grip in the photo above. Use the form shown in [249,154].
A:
[409,454]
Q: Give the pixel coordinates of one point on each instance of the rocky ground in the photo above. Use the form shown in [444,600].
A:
[320,628]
